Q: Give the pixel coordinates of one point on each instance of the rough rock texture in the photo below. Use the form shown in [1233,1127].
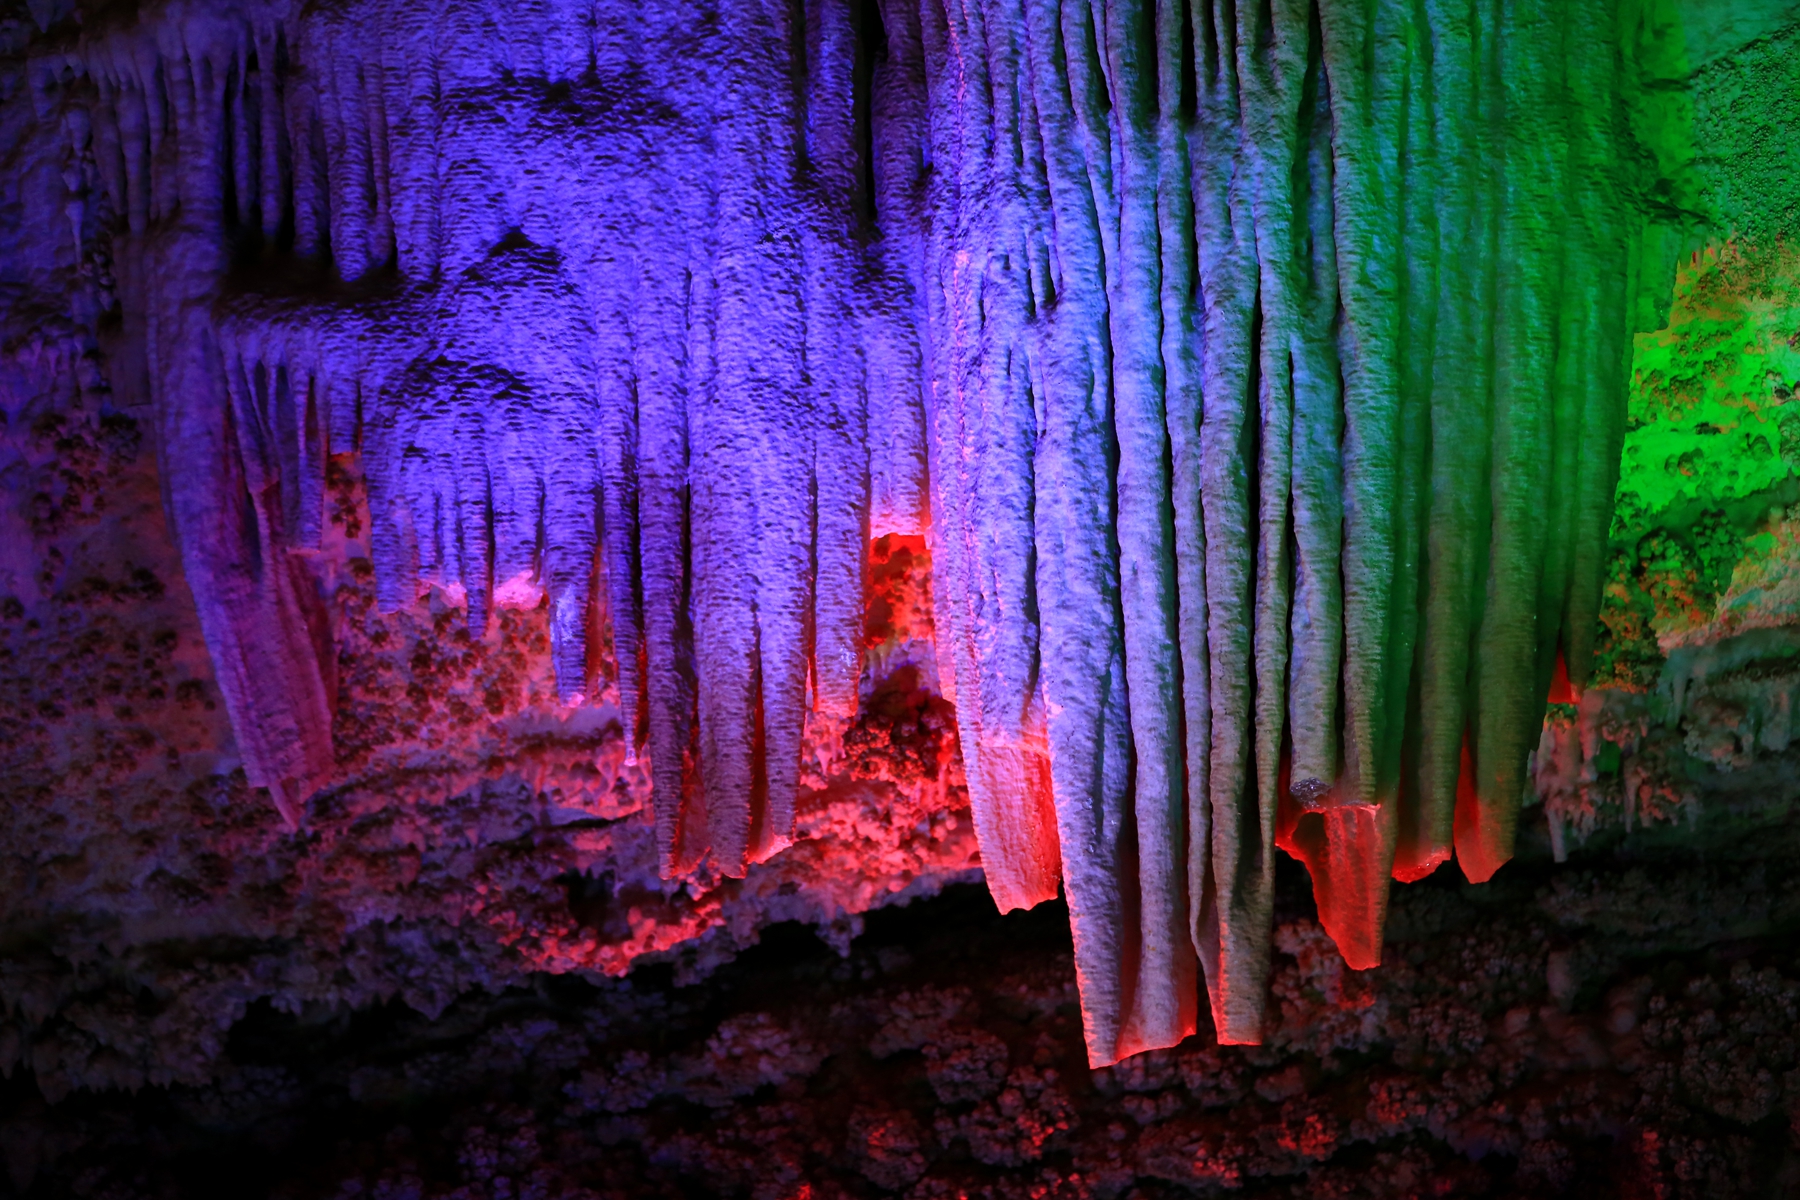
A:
[507,454]
[1268,364]
[480,832]
[1584,1033]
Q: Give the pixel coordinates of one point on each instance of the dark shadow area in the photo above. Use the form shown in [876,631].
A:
[1598,1032]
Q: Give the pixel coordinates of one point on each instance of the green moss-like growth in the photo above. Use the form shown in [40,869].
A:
[1744,117]
[1711,391]
[1703,542]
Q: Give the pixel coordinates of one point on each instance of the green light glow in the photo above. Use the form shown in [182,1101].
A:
[1703,539]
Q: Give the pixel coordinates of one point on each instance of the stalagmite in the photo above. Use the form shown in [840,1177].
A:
[1255,370]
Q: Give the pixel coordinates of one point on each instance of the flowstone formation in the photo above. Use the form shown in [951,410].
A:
[1327,398]
[1247,382]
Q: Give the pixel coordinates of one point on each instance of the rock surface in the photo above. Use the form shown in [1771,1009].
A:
[1597,1033]
[376,521]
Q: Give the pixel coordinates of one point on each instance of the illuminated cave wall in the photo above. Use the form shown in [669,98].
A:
[560,421]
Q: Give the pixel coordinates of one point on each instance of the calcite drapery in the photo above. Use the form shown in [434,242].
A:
[1267,359]
[1276,389]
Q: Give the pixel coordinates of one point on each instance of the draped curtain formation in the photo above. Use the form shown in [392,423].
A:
[1276,361]
[1255,369]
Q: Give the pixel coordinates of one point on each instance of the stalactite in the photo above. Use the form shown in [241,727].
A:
[647,373]
[1314,438]
[1255,368]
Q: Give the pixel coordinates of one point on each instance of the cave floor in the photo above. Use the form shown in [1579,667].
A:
[1617,1027]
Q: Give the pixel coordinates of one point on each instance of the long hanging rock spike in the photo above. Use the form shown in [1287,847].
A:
[1256,370]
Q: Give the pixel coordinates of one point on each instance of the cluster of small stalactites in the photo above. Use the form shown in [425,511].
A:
[1267,362]
[598,307]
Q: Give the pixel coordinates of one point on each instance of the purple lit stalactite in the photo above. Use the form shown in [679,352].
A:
[1256,372]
